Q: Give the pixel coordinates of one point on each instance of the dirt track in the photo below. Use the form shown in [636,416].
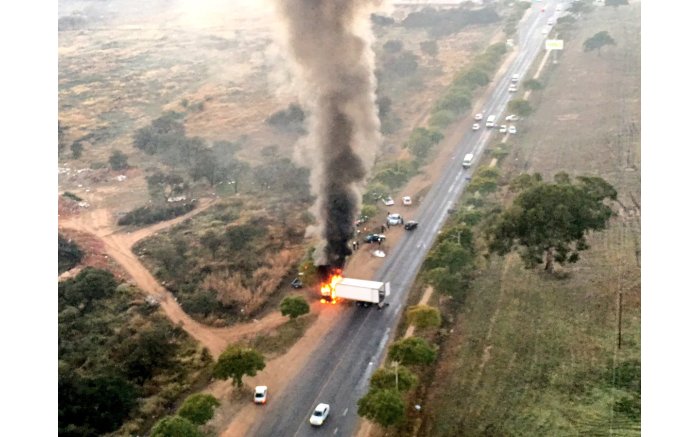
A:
[118,245]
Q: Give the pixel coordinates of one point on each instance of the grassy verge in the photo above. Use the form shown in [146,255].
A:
[279,340]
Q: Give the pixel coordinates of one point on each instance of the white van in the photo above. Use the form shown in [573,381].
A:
[468,158]
[491,121]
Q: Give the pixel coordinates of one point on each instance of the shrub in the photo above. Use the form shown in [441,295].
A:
[147,215]
[69,254]
[118,160]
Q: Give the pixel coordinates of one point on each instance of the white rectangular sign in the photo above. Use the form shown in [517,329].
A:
[554,44]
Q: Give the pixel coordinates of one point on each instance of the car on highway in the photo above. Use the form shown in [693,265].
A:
[512,117]
[260,396]
[388,201]
[491,121]
[545,30]
[394,219]
[479,116]
[513,88]
[512,130]
[407,200]
[476,126]
[503,129]
[515,77]
[410,225]
[320,414]
[375,238]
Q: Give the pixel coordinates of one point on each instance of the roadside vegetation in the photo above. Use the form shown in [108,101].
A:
[553,351]
[121,363]
[69,254]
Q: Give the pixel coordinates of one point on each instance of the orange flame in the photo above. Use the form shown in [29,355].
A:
[328,287]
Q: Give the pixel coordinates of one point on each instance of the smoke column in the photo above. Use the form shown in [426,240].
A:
[330,42]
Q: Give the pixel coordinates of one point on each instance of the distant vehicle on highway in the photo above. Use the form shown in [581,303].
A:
[388,201]
[512,130]
[491,121]
[479,116]
[410,225]
[513,88]
[503,129]
[260,396]
[475,126]
[467,161]
[375,238]
[515,77]
[407,200]
[320,414]
[512,117]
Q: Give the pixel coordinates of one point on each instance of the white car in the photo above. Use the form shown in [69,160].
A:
[479,116]
[513,88]
[260,396]
[512,117]
[503,129]
[388,201]
[512,130]
[394,219]
[545,30]
[407,200]
[475,126]
[320,414]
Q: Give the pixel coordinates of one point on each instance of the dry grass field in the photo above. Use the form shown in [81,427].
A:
[535,355]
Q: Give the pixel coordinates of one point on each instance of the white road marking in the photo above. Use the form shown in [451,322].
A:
[345,412]
[335,431]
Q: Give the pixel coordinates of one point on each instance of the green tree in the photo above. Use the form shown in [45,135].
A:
[598,41]
[549,222]
[384,407]
[69,254]
[212,241]
[451,283]
[118,160]
[520,107]
[237,361]
[423,316]
[294,306]
[398,378]
[175,426]
[532,84]
[421,140]
[412,351]
[198,408]
[162,186]
[89,285]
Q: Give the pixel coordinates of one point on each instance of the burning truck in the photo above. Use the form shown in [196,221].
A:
[363,292]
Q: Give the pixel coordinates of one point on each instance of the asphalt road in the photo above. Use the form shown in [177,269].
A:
[338,372]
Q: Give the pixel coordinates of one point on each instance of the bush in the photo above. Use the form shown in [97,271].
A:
[393,46]
[118,160]
[457,99]
[442,118]
[294,306]
[395,174]
[429,47]
[69,254]
[198,408]
[520,107]
[72,196]
[532,84]
[421,141]
[147,215]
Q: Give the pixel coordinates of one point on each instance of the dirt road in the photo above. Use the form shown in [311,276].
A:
[118,244]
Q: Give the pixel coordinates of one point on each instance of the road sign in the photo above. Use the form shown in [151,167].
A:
[554,44]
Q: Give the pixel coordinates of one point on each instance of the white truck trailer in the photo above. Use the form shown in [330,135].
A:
[363,292]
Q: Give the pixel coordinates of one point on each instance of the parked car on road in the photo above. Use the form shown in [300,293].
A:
[375,238]
[320,414]
[260,396]
[512,130]
[475,126]
[503,129]
[407,201]
[394,219]
[513,88]
[479,116]
[410,225]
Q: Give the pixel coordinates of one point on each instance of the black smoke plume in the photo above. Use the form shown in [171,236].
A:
[330,42]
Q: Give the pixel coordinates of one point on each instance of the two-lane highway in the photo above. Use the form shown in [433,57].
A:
[338,371]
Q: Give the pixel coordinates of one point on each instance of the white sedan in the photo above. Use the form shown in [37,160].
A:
[388,201]
[513,88]
[512,130]
[320,414]
[260,394]
[475,126]
[407,200]
[479,116]
[503,129]
[512,117]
